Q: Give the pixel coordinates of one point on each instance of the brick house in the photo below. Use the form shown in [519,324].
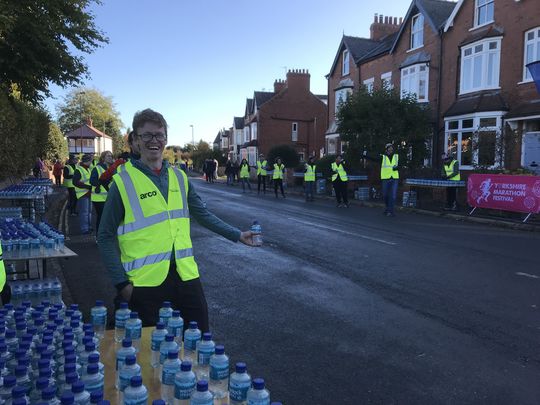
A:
[221,141]
[236,136]
[489,104]
[290,115]
[87,139]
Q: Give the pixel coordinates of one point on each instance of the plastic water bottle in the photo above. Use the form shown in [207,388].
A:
[256,231]
[36,394]
[19,392]
[82,397]
[165,312]
[184,384]
[21,374]
[48,374]
[158,336]
[202,396]
[258,395]
[205,349]
[166,346]
[8,384]
[69,368]
[90,348]
[99,318]
[176,327]
[71,379]
[120,317]
[122,353]
[219,373]
[82,347]
[239,384]
[136,393]
[76,312]
[48,396]
[93,379]
[171,366]
[191,336]
[128,370]
[92,334]
[134,330]
[96,397]
[67,398]
[94,359]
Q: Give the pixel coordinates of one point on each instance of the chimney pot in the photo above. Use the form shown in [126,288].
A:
[386,20]
[400,20]
[381,17]
[375,18]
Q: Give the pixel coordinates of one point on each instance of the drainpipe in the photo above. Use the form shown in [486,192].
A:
[435,154]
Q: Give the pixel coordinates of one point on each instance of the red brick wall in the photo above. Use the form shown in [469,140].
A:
[334,79]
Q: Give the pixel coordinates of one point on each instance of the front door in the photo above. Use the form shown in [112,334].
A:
[530,158]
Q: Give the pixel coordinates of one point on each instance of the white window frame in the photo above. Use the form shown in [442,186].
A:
[369,83]
[343,95]
[413,75]
[253,131]
[417,32]
[335,138]
[470,53]
[294,131]
[534,42]
[479,4]
[386,81]
[475,129]
[246,134]
[345,63]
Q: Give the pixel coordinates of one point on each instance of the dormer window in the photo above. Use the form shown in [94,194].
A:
[345,65]
[417,31]
[484,12]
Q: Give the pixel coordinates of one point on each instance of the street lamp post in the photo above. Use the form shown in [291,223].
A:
[192,136]
[81,94]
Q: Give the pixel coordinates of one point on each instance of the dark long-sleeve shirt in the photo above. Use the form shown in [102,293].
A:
[113,215]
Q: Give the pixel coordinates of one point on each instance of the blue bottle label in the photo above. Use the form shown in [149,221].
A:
[203,357]
[124,381]
[133,333]
[155,345]
[238,391]
[184,390]
[120,323]
[220,372]
[167,376]
[176,331]
[190,343]
[164,319]
[137,401]
[99,319]
[265,401]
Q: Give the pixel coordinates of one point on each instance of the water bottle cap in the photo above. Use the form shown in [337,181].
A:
[19,401]
[104,402]
[176,313]
[258,383]
[59,321]
[96,396]
[58,306]
[69,335]
[70,358]
[72,377]
[20,370]
[193,325]
[87,327]
[32,330]
[67,398]
[20,325]
[26,337]
[169,337]
[10,333]
[126,342]
[202,385]
[74,323]
[44,363]
[46,303]
[220,349]
[158,402]
[24,361]
[185,366]
[130,359]
[74,307]
[123,305]
[134,315]
[77,387]
[255,222]
[47,339]
[92,368]
[45,372]
[10,381]
[89,333]
[90,347]
[47,354]
[87,340]
[136,381]
[99,303]
[26,304]
[48,393]
[67,344]
[93,358]
[18,391]
[166,304]
[69,368]
[160,325]
[69,313]
[42,382]
[20,353]
[9,307]
[173,354]
[207,336]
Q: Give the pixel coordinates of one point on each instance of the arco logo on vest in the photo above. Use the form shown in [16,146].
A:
[149,194]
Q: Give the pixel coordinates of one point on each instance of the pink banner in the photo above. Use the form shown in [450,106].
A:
[504,192]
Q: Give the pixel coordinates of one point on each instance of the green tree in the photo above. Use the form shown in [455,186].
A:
[368,121]
[56,147]
[287,153]
[42,42]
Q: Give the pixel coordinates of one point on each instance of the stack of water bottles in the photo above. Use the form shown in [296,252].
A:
[192,368]
[24,191]
[10,212]
[36,291]
[25,239]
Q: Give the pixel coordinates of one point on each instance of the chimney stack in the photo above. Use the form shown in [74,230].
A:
[298,80]
[383,26]
[279,85]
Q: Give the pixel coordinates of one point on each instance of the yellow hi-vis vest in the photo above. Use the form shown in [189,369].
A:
[102,195]
[278,171]
[387,171]
[85,179]
[2,270]
[309,175]
[261,167]
[450,169]
[69,182]
[244,171]
[154,229]
[340,171]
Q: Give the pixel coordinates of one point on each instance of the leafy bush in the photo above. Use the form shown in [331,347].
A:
[287,153]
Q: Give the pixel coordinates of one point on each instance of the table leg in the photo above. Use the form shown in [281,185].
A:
[44,266]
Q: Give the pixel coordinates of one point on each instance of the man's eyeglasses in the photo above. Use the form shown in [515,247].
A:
[148,136]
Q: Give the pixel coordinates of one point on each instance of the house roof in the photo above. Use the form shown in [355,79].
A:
[486,32]
[356,46]
[217,138]
[87,131]
[419,57]
[478,102]
[239,122]
[435,12]
[529,109]
[384,46]
[261,97]
[450,20]
[249,106]
[323,97]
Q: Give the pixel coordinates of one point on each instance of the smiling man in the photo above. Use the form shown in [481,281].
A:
[144,236]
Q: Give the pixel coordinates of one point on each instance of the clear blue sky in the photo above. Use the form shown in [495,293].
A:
[197,61]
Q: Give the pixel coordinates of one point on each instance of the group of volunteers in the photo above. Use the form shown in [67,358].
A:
[278,171]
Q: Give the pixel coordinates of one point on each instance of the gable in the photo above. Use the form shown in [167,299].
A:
[357,47]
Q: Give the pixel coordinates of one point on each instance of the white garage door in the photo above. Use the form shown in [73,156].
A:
[531,151]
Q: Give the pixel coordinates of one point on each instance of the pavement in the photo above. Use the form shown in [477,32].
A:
[346,306]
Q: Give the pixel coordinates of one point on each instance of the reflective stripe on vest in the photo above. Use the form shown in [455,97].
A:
[387,171]
[69,182]
[309,175]
[102,195]
[261,167]
[278,171]
[2,271]
[450,169]
[85,179]
[244,171]
[152,228]
[340,171]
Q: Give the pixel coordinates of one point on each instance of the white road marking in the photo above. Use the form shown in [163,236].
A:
[329,228]
[526,275]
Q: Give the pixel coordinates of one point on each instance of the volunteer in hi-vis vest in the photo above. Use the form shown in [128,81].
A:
[340,181]
[309,179]
[244,175]
[389,162]
[100,187]
[144,235]
[450,171]
[69,172]
[262,164]
[83,190]
[277,176]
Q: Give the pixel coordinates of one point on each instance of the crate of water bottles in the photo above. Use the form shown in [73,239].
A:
[36,291]
[10,212]
[22,191]
[22,239]
[34,181]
